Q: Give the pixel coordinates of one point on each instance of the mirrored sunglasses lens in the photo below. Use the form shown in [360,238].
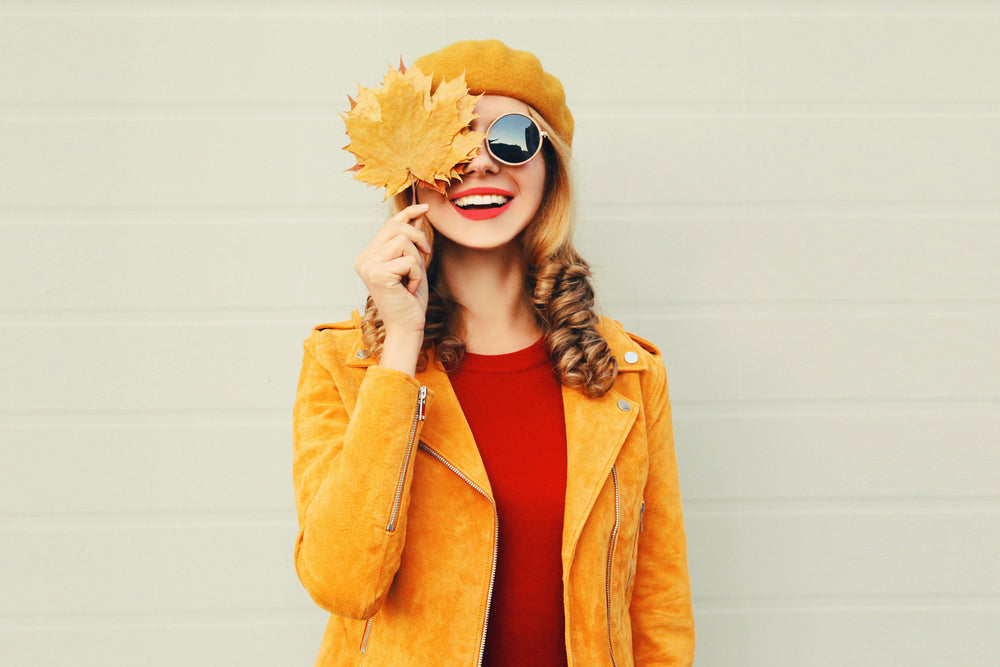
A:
[514,139]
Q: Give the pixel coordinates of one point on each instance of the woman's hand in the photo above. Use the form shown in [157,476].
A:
[394,269]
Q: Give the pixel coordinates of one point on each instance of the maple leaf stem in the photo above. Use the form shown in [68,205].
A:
[413,190]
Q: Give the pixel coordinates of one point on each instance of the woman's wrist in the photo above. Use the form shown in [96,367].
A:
[401,350]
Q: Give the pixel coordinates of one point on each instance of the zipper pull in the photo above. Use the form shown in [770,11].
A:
[642,512]
[421,399]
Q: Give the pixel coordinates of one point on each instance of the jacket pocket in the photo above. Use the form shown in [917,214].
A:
[635,547]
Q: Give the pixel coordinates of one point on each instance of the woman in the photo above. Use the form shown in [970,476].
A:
[484,467]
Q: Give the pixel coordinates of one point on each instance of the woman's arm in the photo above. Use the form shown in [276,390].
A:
[662,620]
[353,471]
[352,476]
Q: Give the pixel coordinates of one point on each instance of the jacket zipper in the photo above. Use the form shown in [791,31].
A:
[496,541]
[418,416]
[611,552]
[364,639]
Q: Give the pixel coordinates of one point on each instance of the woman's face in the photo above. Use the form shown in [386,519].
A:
[516,192]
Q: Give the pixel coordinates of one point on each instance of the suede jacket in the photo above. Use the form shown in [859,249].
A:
[399,533]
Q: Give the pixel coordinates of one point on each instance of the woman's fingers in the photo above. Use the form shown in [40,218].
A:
[409,223]
[397,255]
[410,267]
[393,273]
[394,247]
[412,212]
[402,235]
[392,239]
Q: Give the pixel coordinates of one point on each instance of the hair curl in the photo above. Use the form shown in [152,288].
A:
[557,284]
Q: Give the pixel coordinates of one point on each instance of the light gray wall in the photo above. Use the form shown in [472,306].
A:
[796,200]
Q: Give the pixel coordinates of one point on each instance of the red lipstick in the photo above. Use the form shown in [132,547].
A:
[481,213]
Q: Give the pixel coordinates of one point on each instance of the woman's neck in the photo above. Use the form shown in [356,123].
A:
[496,316]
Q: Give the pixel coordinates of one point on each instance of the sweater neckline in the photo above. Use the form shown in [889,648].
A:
[509,362]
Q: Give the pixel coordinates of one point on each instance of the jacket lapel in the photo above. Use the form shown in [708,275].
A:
[596,428]
[446,430]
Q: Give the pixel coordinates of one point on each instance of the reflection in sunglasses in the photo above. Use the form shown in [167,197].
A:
[519,139]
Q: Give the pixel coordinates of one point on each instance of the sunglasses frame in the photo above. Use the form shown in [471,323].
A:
[542,134]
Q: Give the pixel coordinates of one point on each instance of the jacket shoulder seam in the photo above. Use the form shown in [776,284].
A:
[346,324]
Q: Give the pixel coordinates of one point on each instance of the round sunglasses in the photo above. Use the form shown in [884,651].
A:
[514,138]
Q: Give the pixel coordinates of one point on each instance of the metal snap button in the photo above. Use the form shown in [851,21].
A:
[631,357]
[624,405]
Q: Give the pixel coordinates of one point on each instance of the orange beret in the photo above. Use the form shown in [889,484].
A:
[492,67]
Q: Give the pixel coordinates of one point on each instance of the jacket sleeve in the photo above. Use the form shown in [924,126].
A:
[352,475]
[661,614]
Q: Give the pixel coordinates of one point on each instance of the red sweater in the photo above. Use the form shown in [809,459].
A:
[513,403]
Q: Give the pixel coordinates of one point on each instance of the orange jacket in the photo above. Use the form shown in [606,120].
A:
[398,530]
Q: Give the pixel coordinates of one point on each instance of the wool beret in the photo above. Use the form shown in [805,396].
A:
[492,67]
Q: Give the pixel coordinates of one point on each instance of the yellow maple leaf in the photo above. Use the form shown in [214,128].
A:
[401,134]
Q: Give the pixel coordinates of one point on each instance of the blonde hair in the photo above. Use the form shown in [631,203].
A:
[557,284]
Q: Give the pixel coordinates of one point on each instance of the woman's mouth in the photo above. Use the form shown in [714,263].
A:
[481,203]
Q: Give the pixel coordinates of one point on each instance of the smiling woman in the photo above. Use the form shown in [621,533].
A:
[484,466]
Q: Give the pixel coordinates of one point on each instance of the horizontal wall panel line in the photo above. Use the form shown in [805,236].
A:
[151,417]
[835,309]
[165,317]
[741,109]
[871,505]
[740,209]
[227,214]
[732,109]
[748,211]
[111,521]
[272,616]
[806,308]
[790,407]
[829,406]
[724,10]
[833,604]
[141,420]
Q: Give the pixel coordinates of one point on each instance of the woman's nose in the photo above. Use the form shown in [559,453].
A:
[483,163]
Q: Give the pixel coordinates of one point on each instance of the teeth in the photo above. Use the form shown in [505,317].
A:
[481,200]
